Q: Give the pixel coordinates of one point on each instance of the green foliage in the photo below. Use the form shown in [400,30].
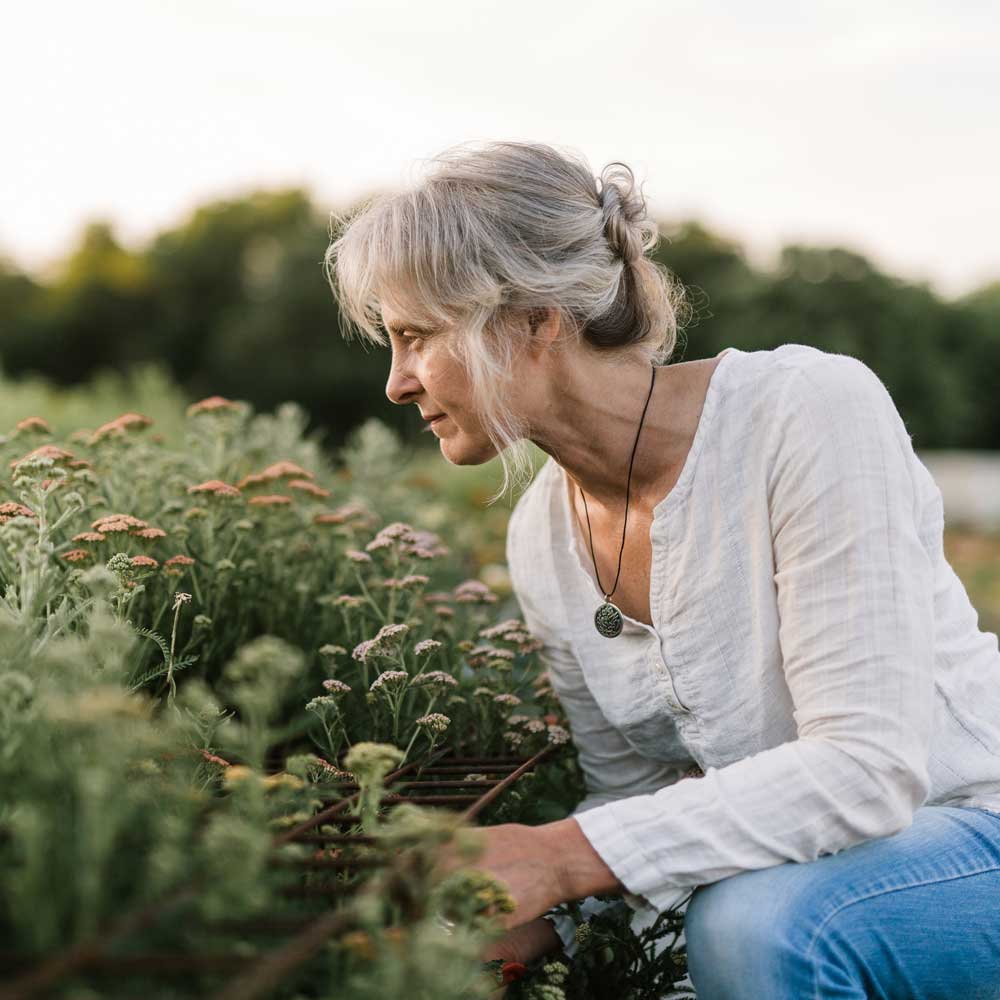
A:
[161,651]
[612,960]
[233,300]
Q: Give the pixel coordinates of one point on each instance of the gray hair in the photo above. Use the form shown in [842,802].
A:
[492,237]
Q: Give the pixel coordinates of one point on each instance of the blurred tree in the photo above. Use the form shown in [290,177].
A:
[233,300]
[980,370]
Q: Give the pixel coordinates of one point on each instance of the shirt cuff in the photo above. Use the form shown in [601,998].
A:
[623,854]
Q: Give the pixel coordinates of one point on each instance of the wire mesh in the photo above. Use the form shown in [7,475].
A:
[442,782]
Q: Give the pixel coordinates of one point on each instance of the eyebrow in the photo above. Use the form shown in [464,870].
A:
[398,328]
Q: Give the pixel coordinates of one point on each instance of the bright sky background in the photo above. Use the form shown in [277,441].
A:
[872,125]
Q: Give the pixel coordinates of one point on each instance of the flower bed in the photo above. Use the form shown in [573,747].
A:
[201,653]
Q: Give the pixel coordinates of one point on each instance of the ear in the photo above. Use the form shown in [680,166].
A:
[544,322]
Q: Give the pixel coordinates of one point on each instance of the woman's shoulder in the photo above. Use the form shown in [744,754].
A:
[784,380]
[779,364]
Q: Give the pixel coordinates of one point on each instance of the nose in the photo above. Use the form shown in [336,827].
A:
[401,386]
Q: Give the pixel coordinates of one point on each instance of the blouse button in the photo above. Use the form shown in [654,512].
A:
[671,700]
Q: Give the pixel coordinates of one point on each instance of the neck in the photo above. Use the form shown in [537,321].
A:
[589,427]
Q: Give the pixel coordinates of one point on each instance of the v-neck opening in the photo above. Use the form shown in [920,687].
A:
[680,488]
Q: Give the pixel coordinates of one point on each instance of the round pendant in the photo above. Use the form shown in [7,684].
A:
[608,620]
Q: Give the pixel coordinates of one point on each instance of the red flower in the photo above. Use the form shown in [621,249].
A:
[511,971]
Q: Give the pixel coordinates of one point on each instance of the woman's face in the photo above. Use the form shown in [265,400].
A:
[424,373]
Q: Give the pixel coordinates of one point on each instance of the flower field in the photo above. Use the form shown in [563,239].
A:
[218,662]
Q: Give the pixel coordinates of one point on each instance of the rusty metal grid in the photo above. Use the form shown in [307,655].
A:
[440,784]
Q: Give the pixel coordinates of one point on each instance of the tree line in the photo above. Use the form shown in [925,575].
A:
[233,300]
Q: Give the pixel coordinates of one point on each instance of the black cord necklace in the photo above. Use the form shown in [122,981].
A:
[608,618]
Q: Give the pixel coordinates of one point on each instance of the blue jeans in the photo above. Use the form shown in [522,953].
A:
[914,916]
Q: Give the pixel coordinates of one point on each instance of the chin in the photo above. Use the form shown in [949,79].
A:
[463,449]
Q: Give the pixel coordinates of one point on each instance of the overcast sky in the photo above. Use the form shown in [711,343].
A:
[872,125]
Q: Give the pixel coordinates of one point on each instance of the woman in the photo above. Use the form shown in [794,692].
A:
[784,708]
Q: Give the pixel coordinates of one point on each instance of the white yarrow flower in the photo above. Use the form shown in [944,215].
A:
[389,677]
[436,722]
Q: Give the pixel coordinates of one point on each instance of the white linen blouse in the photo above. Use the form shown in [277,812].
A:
[813,656]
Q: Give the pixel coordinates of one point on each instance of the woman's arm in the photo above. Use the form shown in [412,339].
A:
[855,595]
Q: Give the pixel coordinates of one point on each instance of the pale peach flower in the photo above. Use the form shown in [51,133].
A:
[277,470]
[179,560]
[211,758]
[45,451]
[212,404]
[215,487]
[119,426]
[426,646]
[362,649]
[145,561]
[271,500]
[12,509]
[150,533]
[307,487]
[132,522]
[329,517]
[89,536]
[494,631]
[558,735]
[474,592]
[113,527]
[438,597]
[37,425]
[349,600]
[76,555]
[436,678]
[285,470]
[252,479]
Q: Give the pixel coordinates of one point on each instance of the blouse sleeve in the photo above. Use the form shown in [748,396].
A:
[854,588]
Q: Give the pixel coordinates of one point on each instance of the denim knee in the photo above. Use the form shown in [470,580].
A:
[749,939]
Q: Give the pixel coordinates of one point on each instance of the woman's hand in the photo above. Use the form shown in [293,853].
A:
[522,945]
[541,866]
[525,943]
[523,859]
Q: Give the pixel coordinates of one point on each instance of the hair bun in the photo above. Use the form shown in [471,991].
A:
[621,208]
